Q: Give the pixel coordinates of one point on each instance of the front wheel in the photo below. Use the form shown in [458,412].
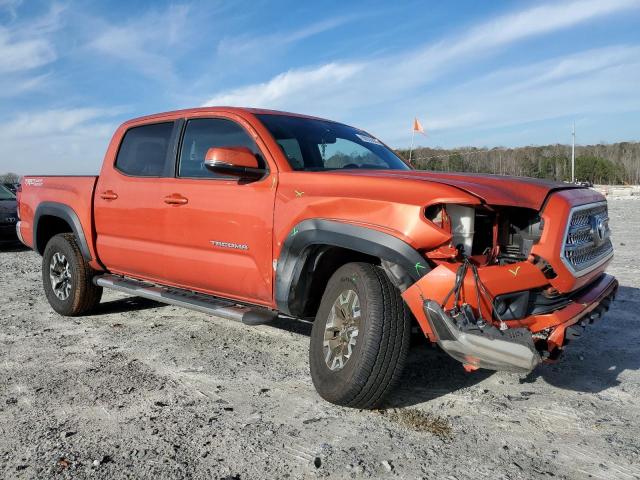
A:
[67,277]
[360,337]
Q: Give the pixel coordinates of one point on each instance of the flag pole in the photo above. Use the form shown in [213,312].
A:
[573,153]
[413,134]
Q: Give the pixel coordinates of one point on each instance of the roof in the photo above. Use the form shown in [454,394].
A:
[219,109]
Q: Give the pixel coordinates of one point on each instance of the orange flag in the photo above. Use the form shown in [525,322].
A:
[417,126]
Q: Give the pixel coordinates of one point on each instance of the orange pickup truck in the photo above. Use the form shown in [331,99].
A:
[249,214]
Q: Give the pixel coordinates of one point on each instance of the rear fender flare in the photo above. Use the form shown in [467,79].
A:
[66,213]
[398,258]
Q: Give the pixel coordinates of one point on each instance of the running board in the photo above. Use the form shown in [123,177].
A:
[187,299]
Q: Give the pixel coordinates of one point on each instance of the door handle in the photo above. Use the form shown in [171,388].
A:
[176,199]
[109,195]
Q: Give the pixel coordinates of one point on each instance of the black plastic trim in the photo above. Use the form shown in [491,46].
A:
[66,213]
[338,234]
[171,165]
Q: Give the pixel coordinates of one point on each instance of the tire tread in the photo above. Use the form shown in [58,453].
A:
[384,353]
[85,294]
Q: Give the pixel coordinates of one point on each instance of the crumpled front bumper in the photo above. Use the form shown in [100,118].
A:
[510,350]
[526,342]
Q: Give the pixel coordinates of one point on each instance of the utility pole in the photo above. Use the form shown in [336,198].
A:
[573,153]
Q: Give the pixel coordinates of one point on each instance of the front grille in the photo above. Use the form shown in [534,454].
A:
[587,244]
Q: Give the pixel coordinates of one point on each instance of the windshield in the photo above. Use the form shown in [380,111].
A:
[5,193]
[316,145]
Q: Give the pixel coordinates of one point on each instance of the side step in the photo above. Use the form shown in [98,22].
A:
[185,298]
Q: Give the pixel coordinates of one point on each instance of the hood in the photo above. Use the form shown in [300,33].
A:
[491,189]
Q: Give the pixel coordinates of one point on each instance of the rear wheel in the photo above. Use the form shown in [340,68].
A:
[67,277]
[360,337]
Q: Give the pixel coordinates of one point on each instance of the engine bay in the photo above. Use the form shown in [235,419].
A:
[489,235]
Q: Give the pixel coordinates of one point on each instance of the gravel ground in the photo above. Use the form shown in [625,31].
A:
[143,390]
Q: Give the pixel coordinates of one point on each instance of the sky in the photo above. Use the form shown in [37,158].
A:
[481,74]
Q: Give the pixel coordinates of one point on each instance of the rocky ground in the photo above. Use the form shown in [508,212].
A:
[143,390]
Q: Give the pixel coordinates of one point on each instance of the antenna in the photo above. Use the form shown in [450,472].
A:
[573,153]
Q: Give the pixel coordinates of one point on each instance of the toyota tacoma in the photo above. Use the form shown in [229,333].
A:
[250,214]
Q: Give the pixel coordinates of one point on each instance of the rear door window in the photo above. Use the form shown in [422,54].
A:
[143,151]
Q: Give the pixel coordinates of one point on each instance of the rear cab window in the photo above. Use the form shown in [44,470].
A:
[144,150]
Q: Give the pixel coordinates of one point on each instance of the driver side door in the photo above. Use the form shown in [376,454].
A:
[222,233]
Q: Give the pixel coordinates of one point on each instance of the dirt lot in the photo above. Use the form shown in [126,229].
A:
[145,390]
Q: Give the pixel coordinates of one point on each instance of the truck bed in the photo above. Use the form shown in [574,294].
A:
[74,192]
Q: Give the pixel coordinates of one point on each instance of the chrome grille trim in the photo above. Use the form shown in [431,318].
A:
[582,251]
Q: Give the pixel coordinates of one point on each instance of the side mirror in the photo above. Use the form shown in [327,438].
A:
[235,161]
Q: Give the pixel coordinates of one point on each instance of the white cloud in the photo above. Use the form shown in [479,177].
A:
[57,141]
[400,85]
[146,43]
[484,39]
[12,87]
[19,55]
[535,21]
[50,22]
[25,47]
[11,7]
[546,72]
[278,92]
[380,94]
[51,122]
[588,83]
[243,45]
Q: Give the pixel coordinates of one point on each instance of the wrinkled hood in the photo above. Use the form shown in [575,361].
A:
[491,189]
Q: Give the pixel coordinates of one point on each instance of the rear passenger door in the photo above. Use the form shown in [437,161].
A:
[222,234]
[129,207]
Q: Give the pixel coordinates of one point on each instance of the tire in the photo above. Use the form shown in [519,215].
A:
[376,361]
[79,295]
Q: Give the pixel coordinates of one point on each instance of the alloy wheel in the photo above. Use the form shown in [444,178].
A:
[341,331]
[60,275]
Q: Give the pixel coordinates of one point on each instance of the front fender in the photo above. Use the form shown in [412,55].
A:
[319,232]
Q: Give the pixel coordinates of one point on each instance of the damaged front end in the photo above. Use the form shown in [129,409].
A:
[482,345]
[499,294]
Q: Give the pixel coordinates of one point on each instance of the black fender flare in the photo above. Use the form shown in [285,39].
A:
[399,258]
[66,213]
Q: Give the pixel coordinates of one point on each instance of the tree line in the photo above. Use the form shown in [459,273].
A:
[617,163]
[9,178]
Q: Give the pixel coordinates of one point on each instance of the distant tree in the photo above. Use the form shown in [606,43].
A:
[432,163]
[9,178]
[602,163]
[436,164]
[547,168]
[597,170]
[456,163]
